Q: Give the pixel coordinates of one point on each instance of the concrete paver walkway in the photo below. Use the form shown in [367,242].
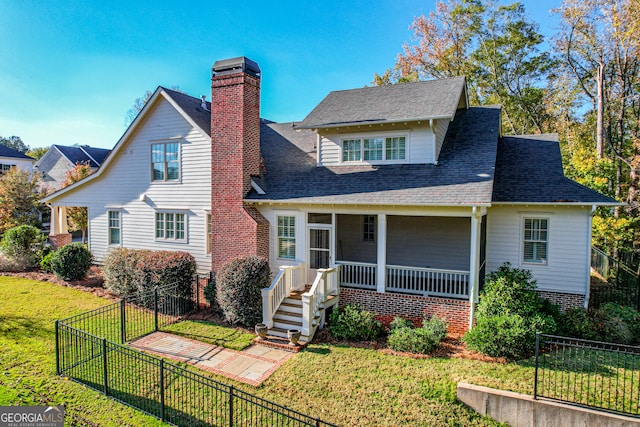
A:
[251,366]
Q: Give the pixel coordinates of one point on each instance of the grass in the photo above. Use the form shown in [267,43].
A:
[211,333]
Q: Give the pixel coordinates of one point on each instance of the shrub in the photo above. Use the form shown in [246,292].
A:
[71,262]
[24,246]
[404,337]
[577,323]
[618,323]
[353,323]
[239,289]
[130,272]
[46,263]
[509,314]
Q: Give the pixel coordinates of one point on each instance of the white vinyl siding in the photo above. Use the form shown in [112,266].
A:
[126,184]
[568,244]
[286,237]
[114,228]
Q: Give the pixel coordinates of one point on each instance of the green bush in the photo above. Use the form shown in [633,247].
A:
[404,337]
[576,322]
[129,272]
[509,314]
[71,262]
[353,323]
[239,289]
[45,264]
[210,293]
[24,245]
[618,323]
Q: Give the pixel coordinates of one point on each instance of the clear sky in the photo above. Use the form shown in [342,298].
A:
[70,69]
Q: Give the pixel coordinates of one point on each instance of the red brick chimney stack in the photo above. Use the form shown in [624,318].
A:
[235,147]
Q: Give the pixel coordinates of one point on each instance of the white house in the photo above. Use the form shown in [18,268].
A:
[10,158]
[398,198]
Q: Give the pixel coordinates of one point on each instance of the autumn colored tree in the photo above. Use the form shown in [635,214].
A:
[77,216]
[19,199]
[37,152]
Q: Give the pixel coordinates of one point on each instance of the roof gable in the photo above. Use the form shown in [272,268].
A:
[432,99]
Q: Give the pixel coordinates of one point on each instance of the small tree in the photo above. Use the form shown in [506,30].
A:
[19,199]
[239,289]
[77,217]
[24,245]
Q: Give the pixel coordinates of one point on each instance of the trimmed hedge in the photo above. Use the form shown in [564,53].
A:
[71,262]
[130,272]
[353,323]
[239,289]
[425,339]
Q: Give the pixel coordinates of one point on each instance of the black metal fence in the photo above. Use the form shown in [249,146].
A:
[86,351]
[622,283]
[588,373]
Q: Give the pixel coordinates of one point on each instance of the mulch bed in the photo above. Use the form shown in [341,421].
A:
[450,347]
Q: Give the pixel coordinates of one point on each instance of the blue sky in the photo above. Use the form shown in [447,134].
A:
[70,70]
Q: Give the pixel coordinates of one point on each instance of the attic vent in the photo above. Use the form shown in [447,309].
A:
[203,105]
[236,65]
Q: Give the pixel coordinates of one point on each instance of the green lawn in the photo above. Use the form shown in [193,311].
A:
[344,385]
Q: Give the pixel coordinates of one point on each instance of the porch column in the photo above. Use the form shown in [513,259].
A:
[381,273]
[474,261]
[58,220]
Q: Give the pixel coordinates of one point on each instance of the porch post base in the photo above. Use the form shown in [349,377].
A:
[59,240]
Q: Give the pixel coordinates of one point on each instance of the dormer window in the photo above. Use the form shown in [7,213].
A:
[374,150]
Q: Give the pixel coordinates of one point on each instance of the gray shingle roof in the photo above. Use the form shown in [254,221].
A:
[10,152]
[379,104]
[464,175]
[83,154]
[192,107]
[529,169]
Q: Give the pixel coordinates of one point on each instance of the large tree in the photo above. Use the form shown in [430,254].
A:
[497,48]
[19,199]
[14,142]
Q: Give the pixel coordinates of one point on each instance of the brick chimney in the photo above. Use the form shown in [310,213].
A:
[235,157]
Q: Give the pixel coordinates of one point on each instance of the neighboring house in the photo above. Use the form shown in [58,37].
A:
[398,198]
[59,159]
[10,158]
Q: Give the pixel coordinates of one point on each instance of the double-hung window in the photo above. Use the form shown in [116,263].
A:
[115,227]
[170,226]
[395,148]
[165,161]
[535,240]
[351,151]
[373,149]
[286,237]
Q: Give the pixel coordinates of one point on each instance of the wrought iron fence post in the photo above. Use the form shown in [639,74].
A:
[230,406]
[104,366]
[57,349]
[123,320]
[535,377]
[155,307]
[162,417]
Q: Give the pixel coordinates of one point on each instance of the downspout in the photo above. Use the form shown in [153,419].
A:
[589,233]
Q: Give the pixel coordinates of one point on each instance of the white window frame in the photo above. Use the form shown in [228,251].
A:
[5,167]
[534,241]
[287,237]
[361,139]
[170,225]
[165,163]
[118,212]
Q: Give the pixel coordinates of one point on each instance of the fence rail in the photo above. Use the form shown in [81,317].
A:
[587,373]
[90,350]
[623,283]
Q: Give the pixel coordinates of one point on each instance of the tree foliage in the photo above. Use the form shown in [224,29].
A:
[37,152]
[14,142]
[77,216]
[19,199]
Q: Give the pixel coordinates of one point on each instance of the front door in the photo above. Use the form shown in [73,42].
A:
[320,249]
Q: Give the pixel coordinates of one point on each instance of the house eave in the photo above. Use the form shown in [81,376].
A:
[343,204]
[557,203]
[371,122]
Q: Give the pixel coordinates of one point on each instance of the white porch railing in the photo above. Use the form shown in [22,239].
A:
[358,274]
[288,279]
[325,285]
[428,281]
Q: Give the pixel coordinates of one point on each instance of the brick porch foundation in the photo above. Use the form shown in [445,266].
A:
[565,301]
[386,306]
[59,240]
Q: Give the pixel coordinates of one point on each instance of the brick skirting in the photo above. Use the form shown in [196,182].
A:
[386,306]
[565,301]
[59,240]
